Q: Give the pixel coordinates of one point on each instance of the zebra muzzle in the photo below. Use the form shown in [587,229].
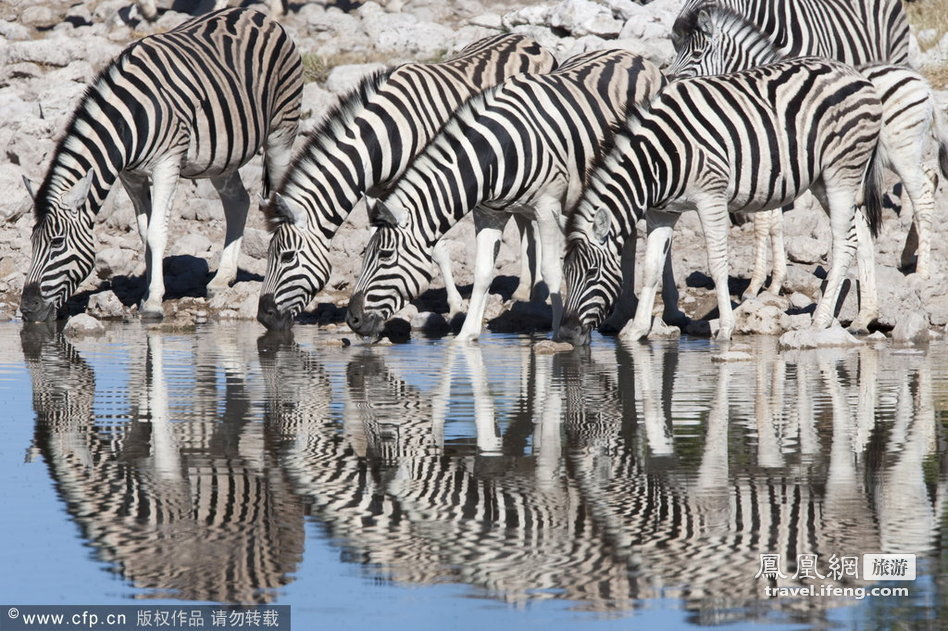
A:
[34,307]
[362,322]
[572,330]
[270,316]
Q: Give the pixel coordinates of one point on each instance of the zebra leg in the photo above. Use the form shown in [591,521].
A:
[139,191]
[660,230]
[868,293]
[236,203]
[164,182]
[625,305]
[778,253]
[919,189]
[442,258]
[841,208]
[762,230]
[489,227]
[714,221]
[548,214]
[529,257]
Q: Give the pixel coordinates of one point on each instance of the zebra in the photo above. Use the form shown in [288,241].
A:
[362,144]
[724,41]
[854,32]
[521,148]
[743,142]
[198,101]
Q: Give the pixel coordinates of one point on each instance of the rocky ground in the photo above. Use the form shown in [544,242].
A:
[50,50]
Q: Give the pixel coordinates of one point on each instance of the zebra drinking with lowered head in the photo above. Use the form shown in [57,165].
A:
[522,148]
[366,141]
[723,40]
[198,101]
[743,142]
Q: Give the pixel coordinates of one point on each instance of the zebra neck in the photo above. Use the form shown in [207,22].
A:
[331,177]
[436,200]
[68,167]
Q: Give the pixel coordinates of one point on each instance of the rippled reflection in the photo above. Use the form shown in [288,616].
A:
[609,476]
[177,491]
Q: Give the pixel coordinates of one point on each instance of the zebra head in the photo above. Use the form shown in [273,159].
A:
[396,269]
[297,264]
[593,277]
[63,249]
[720,41]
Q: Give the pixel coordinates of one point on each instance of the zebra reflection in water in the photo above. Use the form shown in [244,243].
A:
[602,476]
[594,480]
[189,510]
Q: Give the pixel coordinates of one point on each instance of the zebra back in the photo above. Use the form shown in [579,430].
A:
[195,89]
[852,31]
[365,141]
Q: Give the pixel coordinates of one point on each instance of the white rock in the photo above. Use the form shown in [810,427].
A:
[192,244]
[912,328]
[548,347]
[342,79]
[817,338]
[111,262]
[82,325]
[487,20]
[584,17]
[800,300]
[106,304]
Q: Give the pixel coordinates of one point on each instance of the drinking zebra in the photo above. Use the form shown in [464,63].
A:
[524,147]
[743,142]
[724,41]
[362,144]
[198,101]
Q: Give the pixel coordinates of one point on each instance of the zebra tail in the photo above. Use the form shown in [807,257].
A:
[873,191]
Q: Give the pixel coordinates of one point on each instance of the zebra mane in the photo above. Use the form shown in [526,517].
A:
[451,129]
[41,207]
[324,138]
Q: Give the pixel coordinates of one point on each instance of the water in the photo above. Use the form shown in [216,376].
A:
[421,486]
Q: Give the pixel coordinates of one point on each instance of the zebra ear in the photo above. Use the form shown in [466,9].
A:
[381,212]
[75,197]
[704,21]
[602,224]
[29,187]
[283,209]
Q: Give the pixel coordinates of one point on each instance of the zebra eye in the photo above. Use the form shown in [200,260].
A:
[58,243]
[288,257]
[387,254]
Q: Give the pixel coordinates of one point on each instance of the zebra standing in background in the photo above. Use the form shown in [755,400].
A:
[523,147]
[852,31]
[362,144]
[744,142]
[197,102]
[724,41]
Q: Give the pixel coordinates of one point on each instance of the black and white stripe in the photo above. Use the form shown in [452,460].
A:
[363,143]
[725,41]
[852,31]
[748,141]
[523,147]
[197,102]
